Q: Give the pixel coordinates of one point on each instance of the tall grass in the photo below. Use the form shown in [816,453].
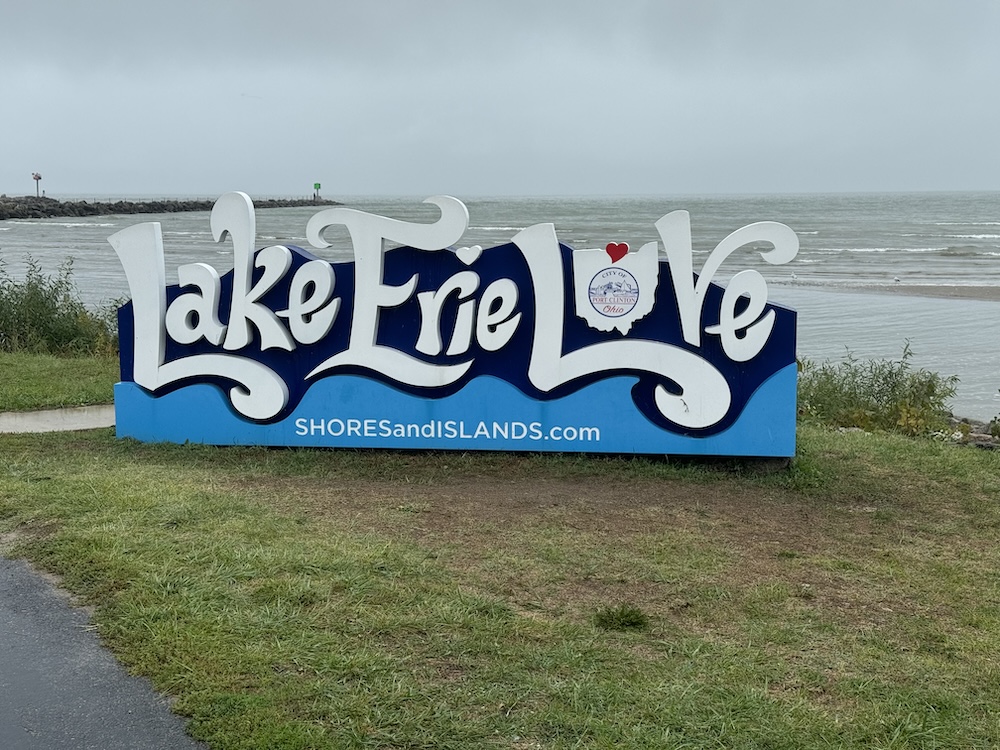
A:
[883,394]
[43,314]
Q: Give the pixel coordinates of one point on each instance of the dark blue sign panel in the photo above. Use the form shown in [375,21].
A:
[420,343]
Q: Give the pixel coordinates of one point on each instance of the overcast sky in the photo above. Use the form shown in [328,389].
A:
[513,97]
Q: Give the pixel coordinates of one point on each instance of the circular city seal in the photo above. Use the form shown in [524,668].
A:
[613,292]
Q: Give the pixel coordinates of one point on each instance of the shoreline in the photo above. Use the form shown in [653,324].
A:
[979,293]
[983,293]
[28,207]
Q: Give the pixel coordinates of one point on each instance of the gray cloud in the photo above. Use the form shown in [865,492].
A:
[501,98]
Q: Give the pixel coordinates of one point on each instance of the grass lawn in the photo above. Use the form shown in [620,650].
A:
[366,599]
[45,381]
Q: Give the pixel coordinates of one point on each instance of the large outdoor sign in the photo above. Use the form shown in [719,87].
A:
[422,343]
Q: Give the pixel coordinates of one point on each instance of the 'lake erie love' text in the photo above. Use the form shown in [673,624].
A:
[243,329]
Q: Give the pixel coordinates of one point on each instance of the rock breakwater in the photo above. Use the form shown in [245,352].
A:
[28,207]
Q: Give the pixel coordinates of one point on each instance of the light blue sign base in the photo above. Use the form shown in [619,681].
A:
[487,414]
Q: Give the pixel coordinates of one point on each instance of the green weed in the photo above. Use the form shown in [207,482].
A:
[44,314]
[876,394]
[625,616]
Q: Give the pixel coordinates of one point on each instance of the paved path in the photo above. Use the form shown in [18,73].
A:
[60,689]
[58,420]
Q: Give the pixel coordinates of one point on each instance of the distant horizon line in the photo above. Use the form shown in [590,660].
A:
[211,196]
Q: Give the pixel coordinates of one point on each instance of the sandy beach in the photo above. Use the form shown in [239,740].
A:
[982,293]
[988,293]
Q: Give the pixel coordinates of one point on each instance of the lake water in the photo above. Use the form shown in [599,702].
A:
[864,280]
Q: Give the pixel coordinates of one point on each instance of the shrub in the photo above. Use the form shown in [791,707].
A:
[44,314]
[876,394]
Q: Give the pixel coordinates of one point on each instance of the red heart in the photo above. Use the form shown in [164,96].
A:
[616,250]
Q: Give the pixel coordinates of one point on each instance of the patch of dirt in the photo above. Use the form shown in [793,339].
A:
[449,511]
[476,524]
[27,532]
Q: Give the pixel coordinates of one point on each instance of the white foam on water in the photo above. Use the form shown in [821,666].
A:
[967,223]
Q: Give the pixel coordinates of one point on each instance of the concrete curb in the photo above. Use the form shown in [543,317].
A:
[58,420]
